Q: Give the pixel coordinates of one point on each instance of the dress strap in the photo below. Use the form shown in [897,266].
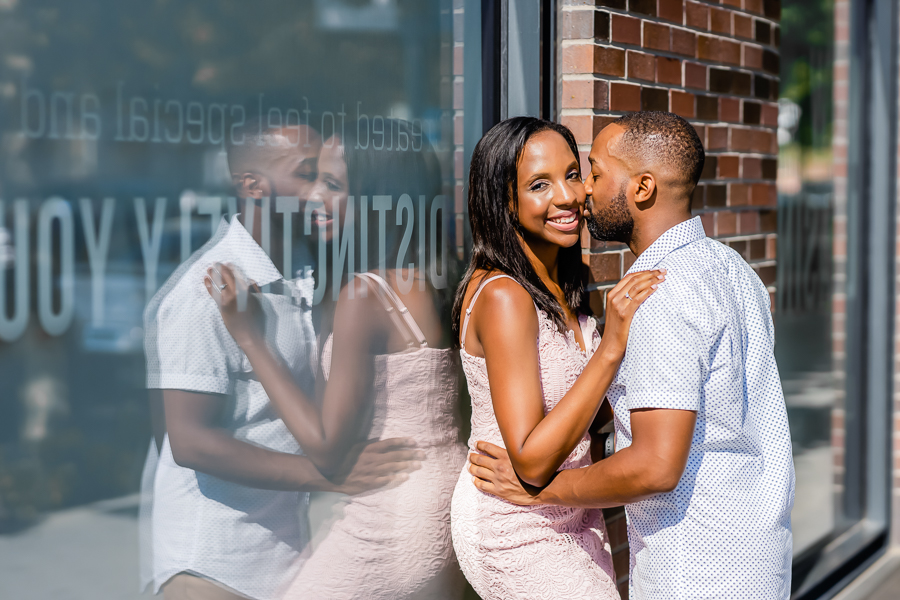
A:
[465,327]
[398,312]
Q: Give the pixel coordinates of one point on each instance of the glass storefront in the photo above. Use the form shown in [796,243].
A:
[131,136]
[803,309]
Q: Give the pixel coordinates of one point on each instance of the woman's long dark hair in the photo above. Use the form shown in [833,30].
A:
[493,217]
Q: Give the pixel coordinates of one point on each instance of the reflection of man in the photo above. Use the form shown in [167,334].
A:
[704,463]
[230,490]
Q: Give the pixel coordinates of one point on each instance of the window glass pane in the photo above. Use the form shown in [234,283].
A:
[808,346]
[137,441]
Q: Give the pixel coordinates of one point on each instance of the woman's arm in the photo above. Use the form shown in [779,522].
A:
[507,328]
[327,434]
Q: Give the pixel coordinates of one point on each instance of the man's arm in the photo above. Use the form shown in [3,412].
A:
[199,444]
[653,464]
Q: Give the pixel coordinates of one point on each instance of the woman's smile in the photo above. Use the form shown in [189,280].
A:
[566,221]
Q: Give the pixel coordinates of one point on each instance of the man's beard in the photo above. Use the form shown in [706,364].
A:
[612,223]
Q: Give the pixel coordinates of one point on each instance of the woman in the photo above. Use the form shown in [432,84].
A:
[388,374]
[536,368]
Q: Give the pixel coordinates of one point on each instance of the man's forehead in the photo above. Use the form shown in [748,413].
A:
[602,147]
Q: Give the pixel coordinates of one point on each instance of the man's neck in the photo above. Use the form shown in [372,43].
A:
[648,230]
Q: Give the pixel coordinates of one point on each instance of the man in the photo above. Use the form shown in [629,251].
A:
[703,462]
[230,492]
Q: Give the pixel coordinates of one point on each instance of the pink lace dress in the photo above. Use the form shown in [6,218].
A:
[531,552]
[394,543]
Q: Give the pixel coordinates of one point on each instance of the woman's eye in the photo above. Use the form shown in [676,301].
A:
[332,186]
[537,186]
[574,175]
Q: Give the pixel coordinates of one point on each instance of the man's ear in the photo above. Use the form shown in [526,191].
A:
[251,185]
[646,188]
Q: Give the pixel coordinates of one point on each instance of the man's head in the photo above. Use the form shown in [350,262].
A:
[643,165]
[278,161]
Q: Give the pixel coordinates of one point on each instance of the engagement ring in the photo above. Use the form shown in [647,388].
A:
[224,285]
[628,296]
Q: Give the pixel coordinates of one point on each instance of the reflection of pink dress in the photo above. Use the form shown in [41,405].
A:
[395,543]
[531,552]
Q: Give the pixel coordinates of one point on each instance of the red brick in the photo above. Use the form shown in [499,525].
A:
[741,139]
[577,94]
[716,138]
[458,60]
[695,76]
[641,66]
[729,167]
[765,142]
[670,10]
[581,126]
[656,36]
[720,20]
[734,3]
[754,6]
[719,50]
[701,133]
[753,56]
[682,104]
[601,95]
[757,246]
[696,15]
[654,99]
[738,194]
[768,220]
[709,223]
[628,259]
[608,61]
[749,223]
[626,30]
[743,26]
[668,70]
[752,167]
[763,194]
[606,267]
[599,124]
[729,109]
[578,58]
[597,302]
[697,198]
[684,42]
[624,96]
[726,223]
[768,274]
[769,115]
[771,249]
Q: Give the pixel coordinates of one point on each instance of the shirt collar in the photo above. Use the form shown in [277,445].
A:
[246,254]
[682,234]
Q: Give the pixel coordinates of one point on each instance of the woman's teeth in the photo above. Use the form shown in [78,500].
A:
[564,220]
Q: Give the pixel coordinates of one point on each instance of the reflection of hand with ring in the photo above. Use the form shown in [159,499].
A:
[223,286]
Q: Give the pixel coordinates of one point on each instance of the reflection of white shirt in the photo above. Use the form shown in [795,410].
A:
[246,538]
[705,342]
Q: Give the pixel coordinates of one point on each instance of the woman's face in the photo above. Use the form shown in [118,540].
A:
[329,192]
[551,193]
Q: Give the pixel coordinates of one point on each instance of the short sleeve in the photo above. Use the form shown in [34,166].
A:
[193,347]
[664,356]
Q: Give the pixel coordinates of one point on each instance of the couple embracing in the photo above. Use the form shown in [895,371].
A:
[685,365]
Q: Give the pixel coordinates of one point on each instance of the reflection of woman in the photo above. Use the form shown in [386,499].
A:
[387,377]
[536,368]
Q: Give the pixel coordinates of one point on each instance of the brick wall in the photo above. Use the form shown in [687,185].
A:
[716,65]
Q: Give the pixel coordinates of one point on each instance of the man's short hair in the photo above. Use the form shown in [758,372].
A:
[663,140]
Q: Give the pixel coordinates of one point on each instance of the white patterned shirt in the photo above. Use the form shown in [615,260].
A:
[251,540]
[704,342]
